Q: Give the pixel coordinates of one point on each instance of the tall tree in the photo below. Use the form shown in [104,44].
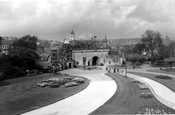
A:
[153,41]
[172,49]
[27,41]
[139,48]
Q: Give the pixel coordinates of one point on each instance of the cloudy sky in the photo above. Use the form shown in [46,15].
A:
[54,19]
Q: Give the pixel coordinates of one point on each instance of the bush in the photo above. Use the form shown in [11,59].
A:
[163,77]
[101,64]
[12,72]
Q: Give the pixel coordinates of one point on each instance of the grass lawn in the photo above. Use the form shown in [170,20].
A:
[21,94]
[127,99]
[170,83]
[161,71]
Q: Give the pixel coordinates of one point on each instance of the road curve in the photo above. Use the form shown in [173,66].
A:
[100,90]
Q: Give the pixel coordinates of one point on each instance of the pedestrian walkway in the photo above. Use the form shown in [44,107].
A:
[100,90]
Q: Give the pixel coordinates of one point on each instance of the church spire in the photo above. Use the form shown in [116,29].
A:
[105,37]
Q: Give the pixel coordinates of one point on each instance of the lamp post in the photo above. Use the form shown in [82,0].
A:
[125,70]
[125,66]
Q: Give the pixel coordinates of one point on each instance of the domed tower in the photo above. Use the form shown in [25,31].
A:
[72,38]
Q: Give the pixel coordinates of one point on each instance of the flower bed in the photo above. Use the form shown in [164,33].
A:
[56,82]
[70,84]
[163,77]
[146,95]
[155,110]
[142,87]
[42,84]
[78,80]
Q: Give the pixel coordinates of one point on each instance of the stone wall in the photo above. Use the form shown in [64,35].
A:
[89,54]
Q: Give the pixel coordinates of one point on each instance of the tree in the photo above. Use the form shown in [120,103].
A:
[153,41]
[136,58]
[164,51]
[139,48]
[172,49]
[27,41]
[170,61]
[65,53]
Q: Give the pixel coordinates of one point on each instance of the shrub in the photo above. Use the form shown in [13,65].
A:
[101,64]
[12,72]
[163,77]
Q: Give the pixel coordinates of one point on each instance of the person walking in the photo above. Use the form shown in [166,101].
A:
[114,70]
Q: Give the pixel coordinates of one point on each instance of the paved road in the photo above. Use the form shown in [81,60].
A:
[100,90]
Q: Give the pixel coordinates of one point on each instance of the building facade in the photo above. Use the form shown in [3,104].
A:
[90,52]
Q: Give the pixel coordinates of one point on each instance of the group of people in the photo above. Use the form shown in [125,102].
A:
[114,70]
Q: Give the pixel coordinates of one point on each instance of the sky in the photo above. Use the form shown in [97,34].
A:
[55,19]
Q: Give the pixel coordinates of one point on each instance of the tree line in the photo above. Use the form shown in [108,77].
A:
[22,56]
[151,48]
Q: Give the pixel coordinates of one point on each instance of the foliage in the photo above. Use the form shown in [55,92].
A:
[170,61]
[164,51]
[139,48]
[65,53]
[21,57]
[163,77]
[27,41]
[12,72]
[152,41]
[136,58]
[172,49]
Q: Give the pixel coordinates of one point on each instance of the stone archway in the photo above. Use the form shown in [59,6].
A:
[95,60]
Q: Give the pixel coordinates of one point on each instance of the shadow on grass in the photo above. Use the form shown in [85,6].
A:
[4,83]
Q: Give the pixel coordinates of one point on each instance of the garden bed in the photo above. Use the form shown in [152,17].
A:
[163,77]
[22,95]
[147,110]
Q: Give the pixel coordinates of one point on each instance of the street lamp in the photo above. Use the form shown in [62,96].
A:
[125,66]
[125,70]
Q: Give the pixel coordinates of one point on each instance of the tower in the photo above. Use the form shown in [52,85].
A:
[72,35]
[72,38]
